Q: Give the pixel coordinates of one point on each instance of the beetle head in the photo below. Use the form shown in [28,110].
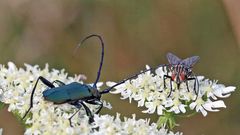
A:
[95,92]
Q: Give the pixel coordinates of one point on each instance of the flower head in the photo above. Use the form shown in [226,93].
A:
[148,90]
[17,85]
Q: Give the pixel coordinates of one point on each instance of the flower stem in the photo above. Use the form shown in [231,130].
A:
[168,119]
[2,105]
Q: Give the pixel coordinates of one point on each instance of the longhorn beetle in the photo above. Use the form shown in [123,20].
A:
[75,93]
[181,71]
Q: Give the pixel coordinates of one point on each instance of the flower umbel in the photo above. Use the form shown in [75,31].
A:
[149,91]
[48,118]
[17,85]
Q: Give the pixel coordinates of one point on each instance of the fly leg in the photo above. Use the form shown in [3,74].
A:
[164,79]
[194,87]
[164,83]
[171,89]
[44,81]
[196,91]
[187,85]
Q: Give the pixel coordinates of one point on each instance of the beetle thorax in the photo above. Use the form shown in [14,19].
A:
[95,92]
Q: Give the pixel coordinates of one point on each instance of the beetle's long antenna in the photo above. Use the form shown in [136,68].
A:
[129,78]
[102,55]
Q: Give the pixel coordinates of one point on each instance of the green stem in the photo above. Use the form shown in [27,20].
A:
[168,119]
[19,118]
[2,105]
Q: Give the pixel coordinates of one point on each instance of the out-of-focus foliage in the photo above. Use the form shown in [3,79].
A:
[1,105]
[136,33]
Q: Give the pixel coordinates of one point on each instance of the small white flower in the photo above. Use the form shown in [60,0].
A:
[148,90]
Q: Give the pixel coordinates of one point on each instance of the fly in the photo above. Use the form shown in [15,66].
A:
[181,71]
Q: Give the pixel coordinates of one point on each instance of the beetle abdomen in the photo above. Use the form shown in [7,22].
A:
[69,92]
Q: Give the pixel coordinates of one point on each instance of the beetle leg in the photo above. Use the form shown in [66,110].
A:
[89,113]
[60,83]
[96,102]
[70,119]
[46,82]
[77,105]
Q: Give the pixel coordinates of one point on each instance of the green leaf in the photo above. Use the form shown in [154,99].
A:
[2,105]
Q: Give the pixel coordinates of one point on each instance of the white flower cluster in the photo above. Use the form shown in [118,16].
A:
[148,90]
[17,85]
[47,118]
[108,125]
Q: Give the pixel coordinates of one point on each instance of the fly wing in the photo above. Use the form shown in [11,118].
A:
[189,62]
[173,59]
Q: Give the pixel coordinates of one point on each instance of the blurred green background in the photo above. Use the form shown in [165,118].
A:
[136,33]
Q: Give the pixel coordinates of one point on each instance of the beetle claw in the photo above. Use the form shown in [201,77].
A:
[91,120]
[70,122]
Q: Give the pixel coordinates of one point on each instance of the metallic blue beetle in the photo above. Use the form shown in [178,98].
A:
[75,93]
